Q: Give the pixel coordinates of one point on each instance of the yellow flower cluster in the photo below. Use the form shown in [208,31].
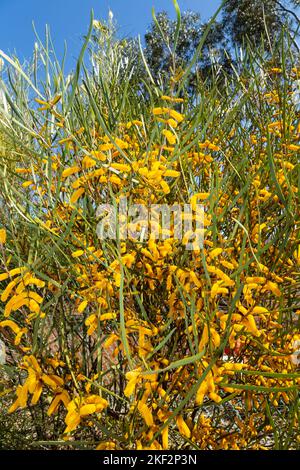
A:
[166,335]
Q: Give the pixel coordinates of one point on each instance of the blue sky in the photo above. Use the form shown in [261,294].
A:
[69,19]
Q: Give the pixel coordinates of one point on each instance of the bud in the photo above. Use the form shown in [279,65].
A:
[2,351]
[295,357]
[97,24]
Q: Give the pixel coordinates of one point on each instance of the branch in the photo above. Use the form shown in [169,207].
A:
[286,10]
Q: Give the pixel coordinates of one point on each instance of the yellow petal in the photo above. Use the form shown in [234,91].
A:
[146,414]
[70,171]
[175,115]
[215,397]
[54,405]
[165,438]
[183,427]
[172,99]
[214,253]
[130,387]
[77,253]
[106,446]
[76,195]
[72,420]
[172,173]
[159,111]
[202,390]
[11,324]
[37,393]
[204,338]
[258,310]
[2,236]
[87,410]
[250,323]
[121,167]
[7,291]
[110,340]
[4,276]
[88,162]
[36,297]
[165,187]
[14,406]
[171,138]
[82,306]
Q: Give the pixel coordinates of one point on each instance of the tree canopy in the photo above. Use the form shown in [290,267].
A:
[256,21]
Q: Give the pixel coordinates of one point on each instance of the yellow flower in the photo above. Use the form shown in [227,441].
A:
[19,332]
[62,397]
[273,287]
[48,104]
[110,340]
[214,253]
[215,397]
[34,383]
[165,438]
[108,445]
[9,288]
[175,115]
[293,147]
[198,197]
[276,70]
[171,112]
[135,122]
[82,306]
[79,408]
[70,171]
[172,99]
[171,173]
[91,323]
[132,377]
[21,401]
[88,162]
[183,427]
[146,413]
[258,310]
[77,253]
[120,167]
[171,122]
[76,195]
[105,147]
[204,338]
[297,255]
[218,289]
[27,184]
[128,260]
[171,138]
[165,187]
[28,299]
[250,324]
[29,280]
[99,155]
[159,111]
[201,392]
[2,236]
[219,273]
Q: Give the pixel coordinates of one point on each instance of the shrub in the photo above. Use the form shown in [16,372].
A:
[136,343]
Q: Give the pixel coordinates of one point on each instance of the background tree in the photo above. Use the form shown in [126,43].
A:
[255,19]
[160,37]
